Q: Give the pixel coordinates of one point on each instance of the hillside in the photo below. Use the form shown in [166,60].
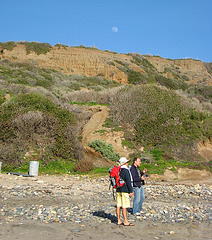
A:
[110,65]
[54,101]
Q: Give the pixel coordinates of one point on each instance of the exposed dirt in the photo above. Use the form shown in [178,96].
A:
[205,150]
[94,130]
[185,176]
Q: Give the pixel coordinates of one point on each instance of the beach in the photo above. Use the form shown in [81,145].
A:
[82,207]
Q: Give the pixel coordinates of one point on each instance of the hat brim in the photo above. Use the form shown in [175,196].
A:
[124,162]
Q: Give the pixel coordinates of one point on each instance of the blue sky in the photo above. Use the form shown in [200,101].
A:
[171,29]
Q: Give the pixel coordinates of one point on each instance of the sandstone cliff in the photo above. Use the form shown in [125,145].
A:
[94,62]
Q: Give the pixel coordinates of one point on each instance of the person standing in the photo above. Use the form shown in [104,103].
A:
[138,181]
[124,193]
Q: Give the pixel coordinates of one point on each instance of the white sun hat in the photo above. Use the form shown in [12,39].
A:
[123,160]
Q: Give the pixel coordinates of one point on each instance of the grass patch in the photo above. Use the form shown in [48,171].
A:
[156,163]
[102,132]
[110,123]
[53,167]
[99,171]
[128,144]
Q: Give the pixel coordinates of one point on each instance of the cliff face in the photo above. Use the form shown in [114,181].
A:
[94,62]
[88,62]
[194,70]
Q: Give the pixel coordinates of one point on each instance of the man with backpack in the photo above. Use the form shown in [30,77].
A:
[138,180]
[124,192]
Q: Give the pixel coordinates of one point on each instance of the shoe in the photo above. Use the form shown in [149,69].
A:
[137,214]
[130,224]
[119,224]
[141,212]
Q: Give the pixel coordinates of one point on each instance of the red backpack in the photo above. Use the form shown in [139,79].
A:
[116,181]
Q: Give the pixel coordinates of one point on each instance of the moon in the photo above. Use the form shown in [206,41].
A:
[115,29]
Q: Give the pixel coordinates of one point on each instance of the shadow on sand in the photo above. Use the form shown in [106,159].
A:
[111,217]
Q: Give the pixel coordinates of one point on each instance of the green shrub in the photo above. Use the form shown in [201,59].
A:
[59,45]
[141,61]
[120,62]
[92,82]
[34,102]
[2,96]
[185,78]
[205,91]
[8,45]
[128,143]
[28,119]
[135,77]
[38,48]
[106,150]
[26,74]
[158,116]
[171,83]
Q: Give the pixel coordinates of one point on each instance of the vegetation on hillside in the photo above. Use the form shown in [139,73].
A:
[29,74]
[159,118]
[32,122]
[41,121]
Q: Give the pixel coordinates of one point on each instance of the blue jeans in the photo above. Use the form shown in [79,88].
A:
[138,199]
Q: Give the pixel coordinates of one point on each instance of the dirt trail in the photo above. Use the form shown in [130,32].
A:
[94,130]
[95,123]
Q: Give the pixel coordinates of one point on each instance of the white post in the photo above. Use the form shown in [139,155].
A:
[33,168]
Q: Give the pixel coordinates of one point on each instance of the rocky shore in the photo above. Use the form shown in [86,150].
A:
[86,202]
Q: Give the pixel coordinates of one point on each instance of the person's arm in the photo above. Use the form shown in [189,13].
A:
[143,174]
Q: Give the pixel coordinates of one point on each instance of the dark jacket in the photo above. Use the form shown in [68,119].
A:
[127,187]
[137,181]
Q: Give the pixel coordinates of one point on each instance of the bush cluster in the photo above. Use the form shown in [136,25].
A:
[158,116]
[89,96]
[26,74]
[98,83]
[136,77]
[32,121]
[105,149]
[171,83]
[59,45]
[141,61]
[8,45]
[38,48]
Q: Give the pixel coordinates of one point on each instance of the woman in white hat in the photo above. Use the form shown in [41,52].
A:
[124,192]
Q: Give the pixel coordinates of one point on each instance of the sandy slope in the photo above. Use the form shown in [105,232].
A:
[94,130]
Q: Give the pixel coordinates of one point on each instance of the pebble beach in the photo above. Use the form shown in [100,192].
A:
[81,204]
